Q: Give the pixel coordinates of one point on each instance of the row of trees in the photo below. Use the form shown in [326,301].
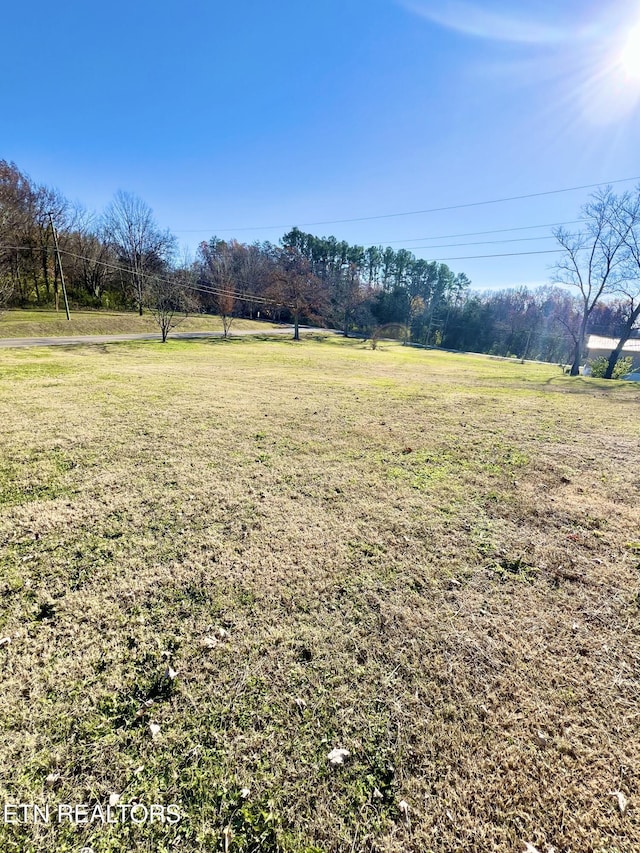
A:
[124,259]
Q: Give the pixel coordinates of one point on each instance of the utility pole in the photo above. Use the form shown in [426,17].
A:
[55,242]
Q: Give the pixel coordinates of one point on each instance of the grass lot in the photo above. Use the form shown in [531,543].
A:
[432,561]
[48,323]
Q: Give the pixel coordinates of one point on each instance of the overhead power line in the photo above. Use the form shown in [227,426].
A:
[468,257]
[480,233]
[438,260]
[483,242]
[418,212]
[501,255]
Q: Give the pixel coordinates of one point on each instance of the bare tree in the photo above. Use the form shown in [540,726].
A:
[226,302]
[627,224]
[591,260]
[19,257]
[11,182]
[217,264]
[347,294]
[170,299]
[6,291]
[253,278]
[145,249]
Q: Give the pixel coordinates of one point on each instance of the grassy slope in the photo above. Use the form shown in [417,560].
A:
[436,555]
[48,323]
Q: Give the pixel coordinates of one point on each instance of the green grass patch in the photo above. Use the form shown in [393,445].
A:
[37,323]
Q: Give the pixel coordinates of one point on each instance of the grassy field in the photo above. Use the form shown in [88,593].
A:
[431,561]
[26,323]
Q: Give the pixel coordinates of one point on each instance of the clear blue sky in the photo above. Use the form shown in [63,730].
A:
[226,117]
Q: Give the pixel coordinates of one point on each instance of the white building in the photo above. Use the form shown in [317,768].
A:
[598,346]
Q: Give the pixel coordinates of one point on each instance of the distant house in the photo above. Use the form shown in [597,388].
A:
[598,345]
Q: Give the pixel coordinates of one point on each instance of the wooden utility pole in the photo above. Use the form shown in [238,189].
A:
[55,242]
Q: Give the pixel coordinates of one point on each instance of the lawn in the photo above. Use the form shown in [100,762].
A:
[223,560]
[37,323]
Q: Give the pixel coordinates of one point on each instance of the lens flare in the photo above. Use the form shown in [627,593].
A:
[589,63]
[630,56]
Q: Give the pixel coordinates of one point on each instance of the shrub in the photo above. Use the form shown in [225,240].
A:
[599,366]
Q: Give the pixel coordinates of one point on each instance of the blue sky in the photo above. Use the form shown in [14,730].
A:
[227,119]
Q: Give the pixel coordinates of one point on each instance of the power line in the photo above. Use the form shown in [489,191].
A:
[446,236]
[480,233]
[500,255]
[419,212]
[464,233]
[483,242]
[437,260]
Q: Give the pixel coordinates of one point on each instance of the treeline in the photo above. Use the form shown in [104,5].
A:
[114,260]
[520,322]
[123,259]
[105,258]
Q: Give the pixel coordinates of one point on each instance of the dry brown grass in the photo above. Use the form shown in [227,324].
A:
[38,323]
[439,555]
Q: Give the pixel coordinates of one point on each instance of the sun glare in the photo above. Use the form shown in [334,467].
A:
[630,56]
[611,89]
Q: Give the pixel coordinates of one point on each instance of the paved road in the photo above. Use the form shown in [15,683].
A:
[109,339]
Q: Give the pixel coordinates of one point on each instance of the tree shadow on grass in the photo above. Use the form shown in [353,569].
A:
[592,387]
